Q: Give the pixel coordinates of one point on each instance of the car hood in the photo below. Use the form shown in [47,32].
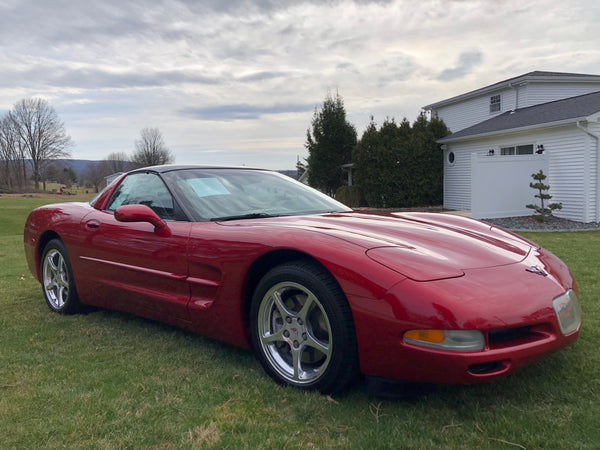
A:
[420,246]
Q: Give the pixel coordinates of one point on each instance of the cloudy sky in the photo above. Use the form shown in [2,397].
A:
[237,82]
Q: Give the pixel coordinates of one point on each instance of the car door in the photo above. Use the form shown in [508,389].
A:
[129,265]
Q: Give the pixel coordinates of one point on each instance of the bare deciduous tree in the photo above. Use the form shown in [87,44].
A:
[150,149]
[41,133]
[95,174]
[13,173]
[117,162]
[7,154]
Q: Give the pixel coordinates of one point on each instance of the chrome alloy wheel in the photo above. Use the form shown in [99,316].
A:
[295,333]
[55,279]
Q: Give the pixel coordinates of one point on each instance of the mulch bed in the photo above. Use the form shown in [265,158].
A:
[528,223]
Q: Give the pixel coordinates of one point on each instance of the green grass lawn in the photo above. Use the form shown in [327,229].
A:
[111,380]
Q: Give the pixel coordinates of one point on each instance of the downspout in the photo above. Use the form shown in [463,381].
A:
[597,137]
[516,88]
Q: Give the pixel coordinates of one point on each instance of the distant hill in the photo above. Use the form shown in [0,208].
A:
[80,166]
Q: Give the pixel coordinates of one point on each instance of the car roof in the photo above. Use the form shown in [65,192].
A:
[172,167]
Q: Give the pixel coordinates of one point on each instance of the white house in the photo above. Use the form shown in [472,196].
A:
[503,133]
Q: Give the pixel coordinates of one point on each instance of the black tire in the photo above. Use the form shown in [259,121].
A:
[58,284]
[302,329]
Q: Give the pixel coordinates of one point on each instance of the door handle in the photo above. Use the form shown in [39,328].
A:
[92,224]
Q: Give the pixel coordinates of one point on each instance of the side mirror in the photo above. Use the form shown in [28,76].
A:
[142,213]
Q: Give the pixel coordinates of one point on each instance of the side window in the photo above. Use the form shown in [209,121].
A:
[495,103]
[144,189]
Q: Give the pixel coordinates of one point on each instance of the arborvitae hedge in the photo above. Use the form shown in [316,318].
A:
[400,165]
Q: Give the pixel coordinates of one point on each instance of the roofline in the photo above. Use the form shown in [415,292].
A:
[448,139]
[171,167]
[518,81]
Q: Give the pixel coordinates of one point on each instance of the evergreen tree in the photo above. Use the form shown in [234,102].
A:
[373,164]
[329,145]
[69,177]
[544,210]
[400,165]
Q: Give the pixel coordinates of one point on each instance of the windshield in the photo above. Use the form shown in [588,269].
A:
[226,194]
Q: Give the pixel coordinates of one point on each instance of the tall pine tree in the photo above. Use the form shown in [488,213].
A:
[329,145]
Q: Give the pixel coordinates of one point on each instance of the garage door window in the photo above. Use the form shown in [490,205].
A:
[517,150]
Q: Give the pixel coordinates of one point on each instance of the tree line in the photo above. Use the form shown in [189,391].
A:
[394,165]
[150,150]
[33,138]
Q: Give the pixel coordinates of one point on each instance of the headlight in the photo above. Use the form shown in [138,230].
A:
[452,340]
[567,311]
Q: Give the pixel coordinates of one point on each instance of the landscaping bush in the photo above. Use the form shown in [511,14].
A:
[350,196]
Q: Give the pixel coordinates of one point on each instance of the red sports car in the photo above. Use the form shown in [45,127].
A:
[319,292]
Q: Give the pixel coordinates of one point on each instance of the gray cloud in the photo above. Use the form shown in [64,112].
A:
[94,78]
[231,6]
[394,68]
[53,23]
[227,113]
[262,76]
[466,61]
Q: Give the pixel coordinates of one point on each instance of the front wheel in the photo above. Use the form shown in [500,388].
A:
[57,279]
[302,329]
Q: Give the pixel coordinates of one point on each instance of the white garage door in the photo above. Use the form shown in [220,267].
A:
[500,184]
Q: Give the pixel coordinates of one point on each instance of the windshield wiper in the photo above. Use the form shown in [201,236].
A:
[242,216]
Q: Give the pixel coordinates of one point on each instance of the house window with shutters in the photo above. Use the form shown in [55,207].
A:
[495,103]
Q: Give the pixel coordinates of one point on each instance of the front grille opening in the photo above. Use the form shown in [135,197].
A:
[518,335]
[488,367]
[510,334]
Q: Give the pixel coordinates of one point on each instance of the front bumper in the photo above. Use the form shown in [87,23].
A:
[511,306]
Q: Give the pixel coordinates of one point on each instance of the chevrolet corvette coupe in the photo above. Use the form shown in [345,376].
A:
[319,292]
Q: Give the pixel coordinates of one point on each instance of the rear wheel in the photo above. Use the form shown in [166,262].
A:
[302,328]
[57,279]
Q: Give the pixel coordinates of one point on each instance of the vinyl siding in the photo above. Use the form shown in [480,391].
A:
[573,155]
[465,114]
[594,168]
[457,177]
[569,185]
[572,173]
[538,93]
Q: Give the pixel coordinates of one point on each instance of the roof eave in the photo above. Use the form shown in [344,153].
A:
[450,139]
[520,80]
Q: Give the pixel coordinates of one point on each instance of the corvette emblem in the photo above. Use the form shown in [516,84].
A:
[537,271]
